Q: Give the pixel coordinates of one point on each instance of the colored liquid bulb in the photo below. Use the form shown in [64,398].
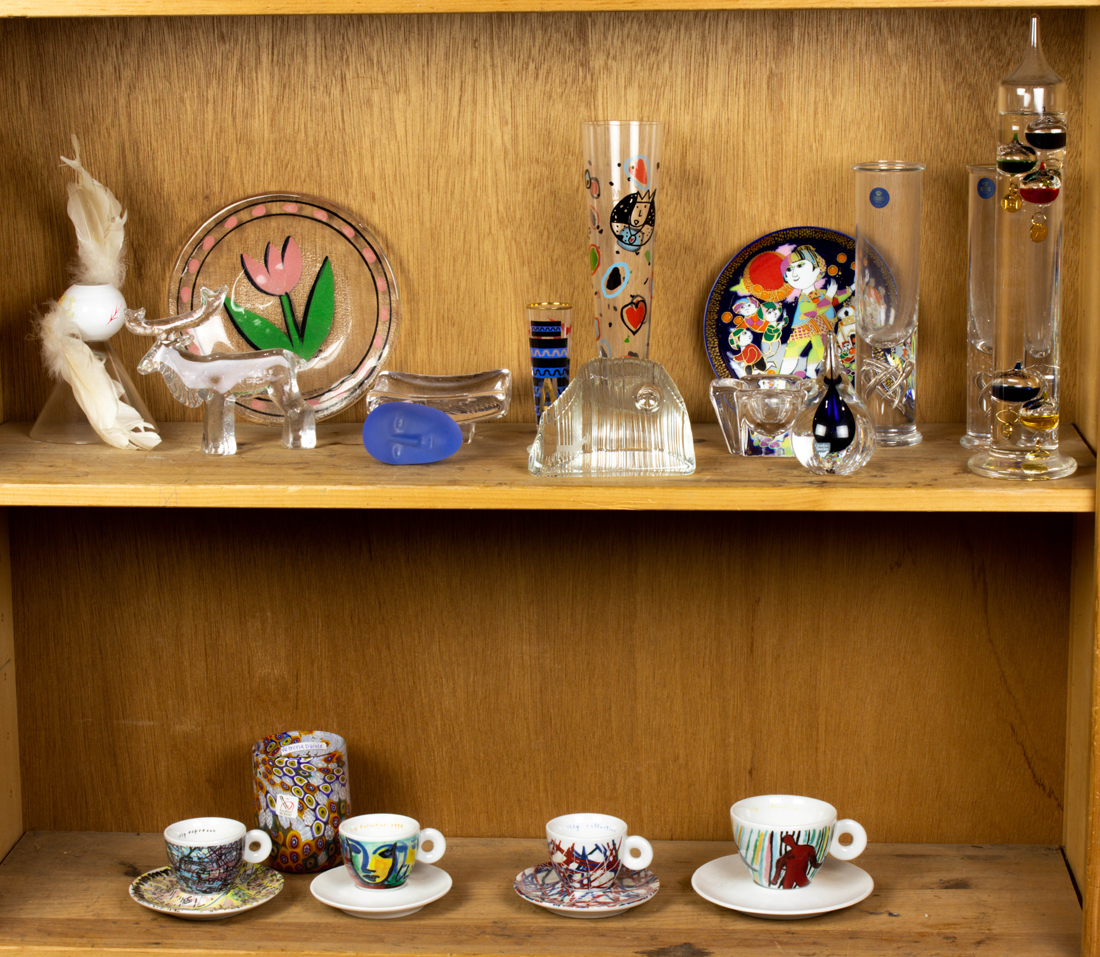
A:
[1016,159]
[1041,187]
[834,425]
[1039,415]
[1046,133]
[1016,386]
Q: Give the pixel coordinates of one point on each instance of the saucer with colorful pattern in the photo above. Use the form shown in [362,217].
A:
[541,885]
[160,891]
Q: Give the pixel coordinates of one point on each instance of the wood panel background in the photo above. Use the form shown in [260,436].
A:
[11,819]
[457,138]
[492,670]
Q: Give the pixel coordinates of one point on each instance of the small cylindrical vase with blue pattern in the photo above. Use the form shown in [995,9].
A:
[550,326]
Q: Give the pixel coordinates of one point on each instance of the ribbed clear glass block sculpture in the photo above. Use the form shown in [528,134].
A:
[618,417]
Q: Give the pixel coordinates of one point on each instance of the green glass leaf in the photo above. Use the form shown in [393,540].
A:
[320,309]
[256,330]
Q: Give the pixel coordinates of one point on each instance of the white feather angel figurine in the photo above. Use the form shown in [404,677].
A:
[75,330]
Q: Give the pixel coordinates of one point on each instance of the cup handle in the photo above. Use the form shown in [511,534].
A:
[439,845]
[846,852]
[644,856]
[257,857]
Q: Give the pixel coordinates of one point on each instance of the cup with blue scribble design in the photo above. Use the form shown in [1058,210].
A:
[784,839]
[207,854]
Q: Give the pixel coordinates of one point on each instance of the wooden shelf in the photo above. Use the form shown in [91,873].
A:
[491,473]
[147,8]
[66,892]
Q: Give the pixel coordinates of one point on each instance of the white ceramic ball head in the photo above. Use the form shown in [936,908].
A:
[98,311]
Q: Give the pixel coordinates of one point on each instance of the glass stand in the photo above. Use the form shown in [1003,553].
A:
[63,421]
[1036,465]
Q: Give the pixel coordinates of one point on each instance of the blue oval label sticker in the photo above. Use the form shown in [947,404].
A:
[986,187]
[879,197]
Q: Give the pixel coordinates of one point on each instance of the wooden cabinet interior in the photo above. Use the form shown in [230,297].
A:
[457,138]
[460,652]
[484,679]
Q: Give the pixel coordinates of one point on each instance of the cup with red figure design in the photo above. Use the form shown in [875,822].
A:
[587,850]
[784,839]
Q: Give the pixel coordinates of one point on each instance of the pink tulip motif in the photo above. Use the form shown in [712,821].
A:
[277,276]
[280,271]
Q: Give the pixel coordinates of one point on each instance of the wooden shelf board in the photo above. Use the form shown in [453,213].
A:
[491,473]
[145,8]
[66,892]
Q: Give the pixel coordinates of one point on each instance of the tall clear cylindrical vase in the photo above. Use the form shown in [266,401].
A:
[887,276]
[980,286]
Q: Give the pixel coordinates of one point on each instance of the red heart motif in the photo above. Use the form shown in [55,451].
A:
[641,174]
[633,314]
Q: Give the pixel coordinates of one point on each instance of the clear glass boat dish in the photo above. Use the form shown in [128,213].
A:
[468,399]
[618,417]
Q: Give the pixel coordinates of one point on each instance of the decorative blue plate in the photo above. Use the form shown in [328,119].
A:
[773,301]
[771,304]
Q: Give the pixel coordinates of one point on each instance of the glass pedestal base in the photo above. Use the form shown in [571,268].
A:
[971,441]
[897,436]
[1036,465]
[62,420]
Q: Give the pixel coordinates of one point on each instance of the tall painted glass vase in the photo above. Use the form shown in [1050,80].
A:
[622,162]
[1023,392]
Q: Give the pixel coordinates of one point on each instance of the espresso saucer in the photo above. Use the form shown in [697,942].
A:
[160,891]
[425,884]
[540,885]
[727,883]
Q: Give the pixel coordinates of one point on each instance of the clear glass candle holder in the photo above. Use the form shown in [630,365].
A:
[756,405]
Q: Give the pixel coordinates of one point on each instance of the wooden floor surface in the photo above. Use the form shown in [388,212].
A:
[66,892]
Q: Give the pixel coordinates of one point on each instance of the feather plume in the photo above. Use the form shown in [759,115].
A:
[100,227]
[68,357]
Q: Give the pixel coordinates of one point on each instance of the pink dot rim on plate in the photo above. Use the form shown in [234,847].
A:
[380,282]
[369,256]
[321,215]
[259,211]
[231,223]
[208,242]
[347,231]
[193,266]
[290,207]
[185,294]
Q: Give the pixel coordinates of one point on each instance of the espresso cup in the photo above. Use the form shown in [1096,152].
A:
[380,849]
[206,854]
[587,850]
[784,839]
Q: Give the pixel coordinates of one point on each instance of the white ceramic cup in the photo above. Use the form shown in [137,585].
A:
[784,839]
[380,849]
[207,853]
[587,850]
